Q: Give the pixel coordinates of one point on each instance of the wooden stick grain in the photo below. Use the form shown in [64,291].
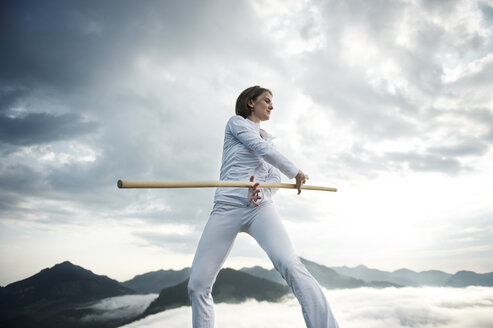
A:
[125,184]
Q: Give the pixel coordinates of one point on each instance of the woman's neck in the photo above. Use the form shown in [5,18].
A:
[253,118]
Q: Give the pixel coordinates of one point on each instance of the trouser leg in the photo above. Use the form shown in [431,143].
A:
[213,248]
[271,235]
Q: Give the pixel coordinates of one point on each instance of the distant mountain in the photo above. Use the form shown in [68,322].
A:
[364,273]
[261,272]
[469,278]
[325,276]
[231,286]
[46,299]
[66,295]
[403,277]
[432,278]
[329,278]
[154,282]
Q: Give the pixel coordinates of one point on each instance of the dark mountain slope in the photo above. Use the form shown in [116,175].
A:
[231,286]
[329,278]
[469,278]
[154,282]
[40,300]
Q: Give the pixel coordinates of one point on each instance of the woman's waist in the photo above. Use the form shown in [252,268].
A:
[260,172]
[239,196]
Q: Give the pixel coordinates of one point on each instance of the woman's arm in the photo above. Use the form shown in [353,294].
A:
[252,140]
[273,175]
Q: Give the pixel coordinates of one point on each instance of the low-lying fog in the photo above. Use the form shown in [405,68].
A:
[364,307]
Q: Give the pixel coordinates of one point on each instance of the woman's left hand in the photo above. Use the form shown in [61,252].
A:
[300,180]
[253,196]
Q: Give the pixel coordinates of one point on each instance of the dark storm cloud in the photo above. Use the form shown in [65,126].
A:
[487,11]
[8,202]
[148,86]
[39,128]
[20,178]
[69,43]
[48,44]
[18,181]
[73,56]
[64,43]
[9,96]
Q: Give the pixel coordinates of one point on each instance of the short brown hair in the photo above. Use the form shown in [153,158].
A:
[251,93]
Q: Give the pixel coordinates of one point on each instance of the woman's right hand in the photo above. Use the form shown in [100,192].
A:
[253,196]
[300,180]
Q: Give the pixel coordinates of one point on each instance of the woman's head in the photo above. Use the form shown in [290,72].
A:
[247,100]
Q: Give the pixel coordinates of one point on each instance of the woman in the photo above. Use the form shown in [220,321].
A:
[248,153]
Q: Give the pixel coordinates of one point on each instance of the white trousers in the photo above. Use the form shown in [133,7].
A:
[263,224]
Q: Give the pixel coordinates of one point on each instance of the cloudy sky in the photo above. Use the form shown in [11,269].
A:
[389,101]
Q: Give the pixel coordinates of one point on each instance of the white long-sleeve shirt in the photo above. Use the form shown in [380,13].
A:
[248,150]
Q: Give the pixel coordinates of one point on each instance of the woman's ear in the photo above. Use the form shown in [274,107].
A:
[250,103]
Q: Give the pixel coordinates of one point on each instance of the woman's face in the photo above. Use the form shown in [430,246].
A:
[262,107]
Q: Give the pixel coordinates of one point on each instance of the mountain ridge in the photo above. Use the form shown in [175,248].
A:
[225,289]
[155,281]
[48,298]
[412,278]
[65,294]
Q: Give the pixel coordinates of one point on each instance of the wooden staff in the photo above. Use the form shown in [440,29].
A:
[209,184]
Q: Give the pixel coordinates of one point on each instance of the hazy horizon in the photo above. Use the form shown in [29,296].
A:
[267,267]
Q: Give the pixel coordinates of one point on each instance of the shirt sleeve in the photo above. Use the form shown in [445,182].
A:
[274,175]
[250,137]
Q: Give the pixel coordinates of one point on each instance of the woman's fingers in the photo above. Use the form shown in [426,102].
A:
[300,180]
[254,199]
[253,192]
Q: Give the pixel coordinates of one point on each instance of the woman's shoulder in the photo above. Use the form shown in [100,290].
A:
[234,122]
[236,119]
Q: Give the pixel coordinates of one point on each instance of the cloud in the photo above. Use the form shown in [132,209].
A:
[380,81]
[426,162]
[362,307]
[119,307]
[39,128]
[172,240]
[94,92]
[142,83]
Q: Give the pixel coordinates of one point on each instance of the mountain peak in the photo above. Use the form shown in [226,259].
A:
[469,278]
[230,286]
[62,283]
[404,271]
[64,264]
